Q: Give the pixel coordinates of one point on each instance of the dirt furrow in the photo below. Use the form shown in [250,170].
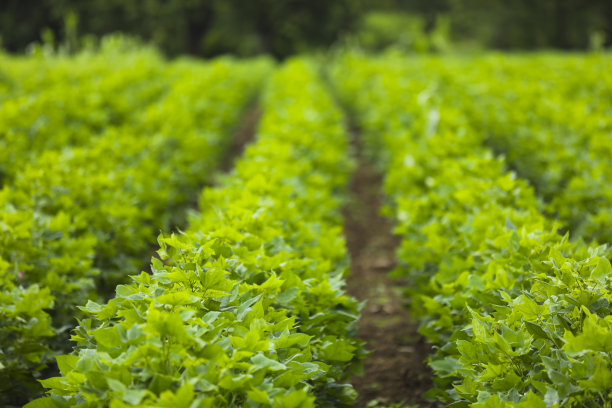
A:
[395,371]
[244,134]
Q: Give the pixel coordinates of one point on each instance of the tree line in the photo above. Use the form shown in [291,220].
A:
[283,28]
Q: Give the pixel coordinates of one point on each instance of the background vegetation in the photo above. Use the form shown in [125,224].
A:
[282,28]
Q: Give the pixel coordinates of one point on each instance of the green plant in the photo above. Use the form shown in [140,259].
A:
[246,308]
[550,116]
[520,315]
[87,213]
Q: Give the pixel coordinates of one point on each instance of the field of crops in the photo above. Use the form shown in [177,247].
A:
[146,261]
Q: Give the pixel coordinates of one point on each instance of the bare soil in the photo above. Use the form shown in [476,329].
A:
[245,132]
[395,371]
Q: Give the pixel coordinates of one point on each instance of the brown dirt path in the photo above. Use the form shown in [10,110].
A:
[244,133]
[395,371]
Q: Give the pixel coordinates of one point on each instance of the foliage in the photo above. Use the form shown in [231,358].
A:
[401,31]
[519,314]
[46,92]
[565,24]
[550,116]
[205,28]
[246,308]
[80,213]
[283,28]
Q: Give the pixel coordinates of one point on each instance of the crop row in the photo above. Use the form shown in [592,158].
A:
[52,102]
[245,309]
[552,118]
[518,314]
[77,220]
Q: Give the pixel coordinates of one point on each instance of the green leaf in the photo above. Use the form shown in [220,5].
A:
[133,397]
[59,383]
[602,271]
[67,363]
[260,361]
[300,339]
[338,350]
[123,291]
[107,337]
[169,324]
[295,399]
[245,306]
[92,307]
[259,396]
[45,402]
[600,381]
[288,295]
[531,401]
[536,330]
[593,337]
[175,299]
[551,397]
[459,404]
[116,385]
[445,366]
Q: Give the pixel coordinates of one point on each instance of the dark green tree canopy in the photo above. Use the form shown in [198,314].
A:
[282,28]
[199,27]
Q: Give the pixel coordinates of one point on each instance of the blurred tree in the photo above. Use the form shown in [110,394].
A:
[280,28]
[23,21]
[176,26]
[526,24]
[284,27]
